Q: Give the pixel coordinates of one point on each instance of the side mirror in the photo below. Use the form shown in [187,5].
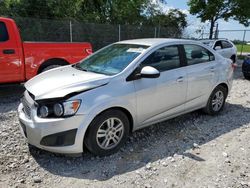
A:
[149,72]
[217,47]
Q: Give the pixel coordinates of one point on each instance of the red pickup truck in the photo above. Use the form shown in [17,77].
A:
[20,61]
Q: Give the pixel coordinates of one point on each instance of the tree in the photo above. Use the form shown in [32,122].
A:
[130,12]
[41,9]
[213,10]
[115,11]
[173,18]
[96,11]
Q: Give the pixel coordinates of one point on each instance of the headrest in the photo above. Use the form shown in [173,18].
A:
[196,54]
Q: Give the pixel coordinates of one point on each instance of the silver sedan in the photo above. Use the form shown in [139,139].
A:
[121,88]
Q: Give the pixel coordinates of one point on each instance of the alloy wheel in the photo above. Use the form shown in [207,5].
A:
[217,101]
[110,133]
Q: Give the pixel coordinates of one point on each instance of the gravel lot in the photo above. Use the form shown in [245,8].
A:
[194,150]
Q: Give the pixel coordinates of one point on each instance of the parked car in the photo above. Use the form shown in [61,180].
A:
[119,89]
[20,61]
[246,67]
[224,47]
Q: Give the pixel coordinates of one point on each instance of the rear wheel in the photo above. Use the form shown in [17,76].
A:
[216,100]
[107,133]
[247,77]
[51,64]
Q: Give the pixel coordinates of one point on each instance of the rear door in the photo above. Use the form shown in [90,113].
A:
[10,62]
[158,98]
[201,73]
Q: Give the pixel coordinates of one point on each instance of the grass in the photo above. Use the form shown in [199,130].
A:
[241,57]
[246,48]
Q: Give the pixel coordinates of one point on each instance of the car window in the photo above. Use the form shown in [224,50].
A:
[3,32]
[226,44]
[163,59]
[218,44]
[196,54]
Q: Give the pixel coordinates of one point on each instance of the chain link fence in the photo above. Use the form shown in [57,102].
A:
[99,35]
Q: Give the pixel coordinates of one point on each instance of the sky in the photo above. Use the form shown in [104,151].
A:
[194,23]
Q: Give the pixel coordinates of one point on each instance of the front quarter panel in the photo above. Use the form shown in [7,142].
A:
[117,93]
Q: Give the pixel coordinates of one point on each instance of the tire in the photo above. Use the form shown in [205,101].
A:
[211,104]
[102,123]
[246,77]
[50,67]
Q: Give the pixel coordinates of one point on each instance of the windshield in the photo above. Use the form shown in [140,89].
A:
[111,60]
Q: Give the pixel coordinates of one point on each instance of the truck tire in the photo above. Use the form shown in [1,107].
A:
[50,67]
[51,64]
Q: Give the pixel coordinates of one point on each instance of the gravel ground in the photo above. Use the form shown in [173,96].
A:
[193,150]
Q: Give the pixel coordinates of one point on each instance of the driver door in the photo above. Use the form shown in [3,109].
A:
[10,61]
[162,97]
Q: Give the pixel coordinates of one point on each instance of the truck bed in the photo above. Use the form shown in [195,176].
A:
[36,53]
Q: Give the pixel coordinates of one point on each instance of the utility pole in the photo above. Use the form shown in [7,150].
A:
[119,32]
[155,32]
[202,34]
[70,31]
[244,36]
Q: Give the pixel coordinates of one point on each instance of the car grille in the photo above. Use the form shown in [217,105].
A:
[26,108]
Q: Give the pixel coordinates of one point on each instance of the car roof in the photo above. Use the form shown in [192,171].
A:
[208,40]
[151,41]
[213,40]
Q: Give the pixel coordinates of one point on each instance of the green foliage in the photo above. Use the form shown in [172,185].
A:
[240,10]
[245,48]
[174,18]
[136,17]
[116,11]
[41,9]
[239,42]
[136,12]
[213,10]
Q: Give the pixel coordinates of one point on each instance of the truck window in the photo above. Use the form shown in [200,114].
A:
[4,36]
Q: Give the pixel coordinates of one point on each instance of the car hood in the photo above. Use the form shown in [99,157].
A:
[59,82]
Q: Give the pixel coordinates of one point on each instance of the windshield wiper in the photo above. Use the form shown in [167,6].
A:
[78,67]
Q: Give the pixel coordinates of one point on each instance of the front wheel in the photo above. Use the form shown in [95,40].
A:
[216,101]
[107,133]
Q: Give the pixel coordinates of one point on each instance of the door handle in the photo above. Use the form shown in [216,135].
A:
[180,79]
[9,51]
